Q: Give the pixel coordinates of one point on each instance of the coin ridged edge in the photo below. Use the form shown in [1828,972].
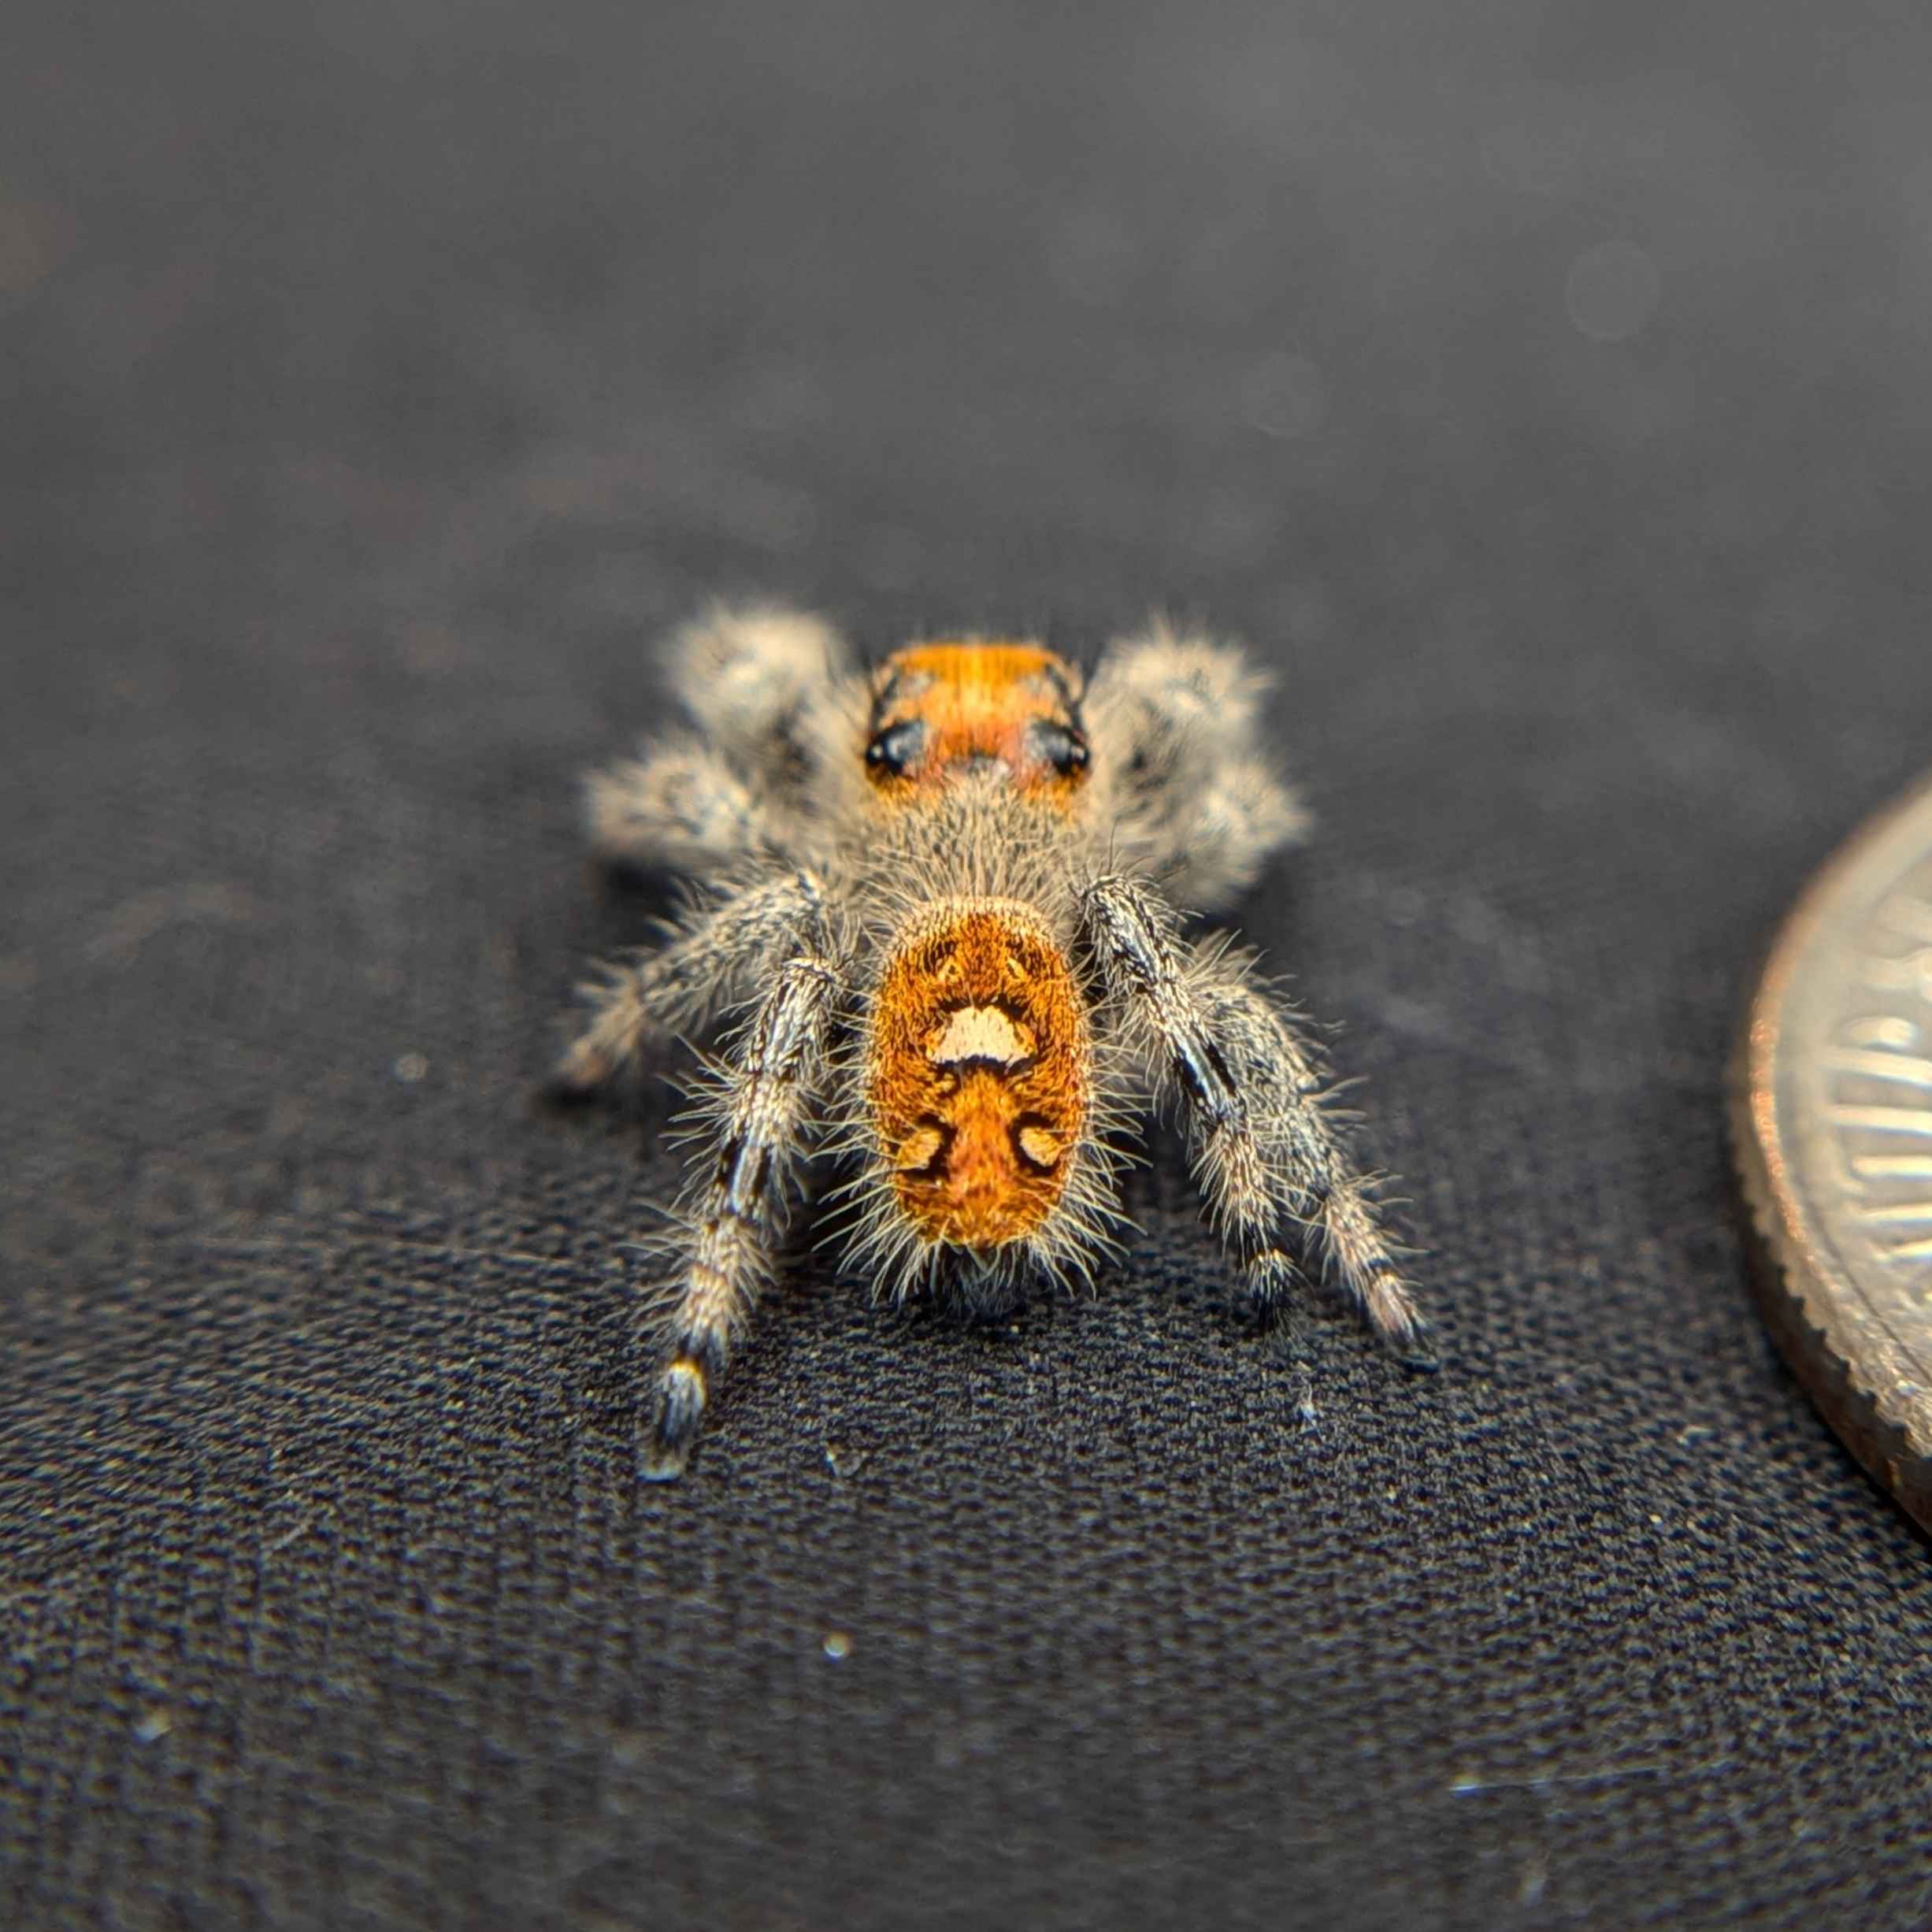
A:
[1794,1299]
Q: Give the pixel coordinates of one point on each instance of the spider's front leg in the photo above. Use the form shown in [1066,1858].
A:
[757,1121]
[1251,1101]
[681,806]
[768,689]
[718,953]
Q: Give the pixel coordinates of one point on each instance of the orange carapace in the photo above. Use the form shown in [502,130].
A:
[940,708]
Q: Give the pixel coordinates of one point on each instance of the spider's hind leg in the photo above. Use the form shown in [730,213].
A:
[754,1132]
[718,953]
[1265,1150]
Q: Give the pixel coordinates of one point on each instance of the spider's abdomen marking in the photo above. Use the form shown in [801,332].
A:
[979,1078]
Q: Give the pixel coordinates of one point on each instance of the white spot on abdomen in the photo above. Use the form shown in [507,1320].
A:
[980,1033]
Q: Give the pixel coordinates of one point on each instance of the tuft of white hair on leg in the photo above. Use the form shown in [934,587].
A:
[745,673]
[774,690]
[1164,685]
[1181,780]
[681,806]
[1241,818]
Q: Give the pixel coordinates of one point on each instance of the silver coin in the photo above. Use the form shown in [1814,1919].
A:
[1832,1111]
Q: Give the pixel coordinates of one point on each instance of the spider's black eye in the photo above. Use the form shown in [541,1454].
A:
[1061,748]
[895,750]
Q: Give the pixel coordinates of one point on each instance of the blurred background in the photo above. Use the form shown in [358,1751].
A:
[1544,390]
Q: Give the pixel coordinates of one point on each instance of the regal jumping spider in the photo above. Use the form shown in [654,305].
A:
[941,899]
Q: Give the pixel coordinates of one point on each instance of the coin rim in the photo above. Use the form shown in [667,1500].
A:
[1796,1288]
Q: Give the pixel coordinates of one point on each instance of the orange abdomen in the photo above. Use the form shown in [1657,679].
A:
[979,1075]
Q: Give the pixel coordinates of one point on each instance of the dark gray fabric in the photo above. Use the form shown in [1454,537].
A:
[1544,391]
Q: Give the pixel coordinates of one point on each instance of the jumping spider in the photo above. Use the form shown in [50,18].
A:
[938,897]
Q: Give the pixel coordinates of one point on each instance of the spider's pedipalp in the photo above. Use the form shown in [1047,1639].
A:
[1251,1098]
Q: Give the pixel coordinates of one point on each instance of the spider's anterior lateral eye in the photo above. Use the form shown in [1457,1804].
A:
[895,750]
[1061,746]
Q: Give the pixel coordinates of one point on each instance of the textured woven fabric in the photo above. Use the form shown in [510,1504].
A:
[1548,402]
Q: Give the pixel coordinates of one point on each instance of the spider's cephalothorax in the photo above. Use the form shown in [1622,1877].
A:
[930,903]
